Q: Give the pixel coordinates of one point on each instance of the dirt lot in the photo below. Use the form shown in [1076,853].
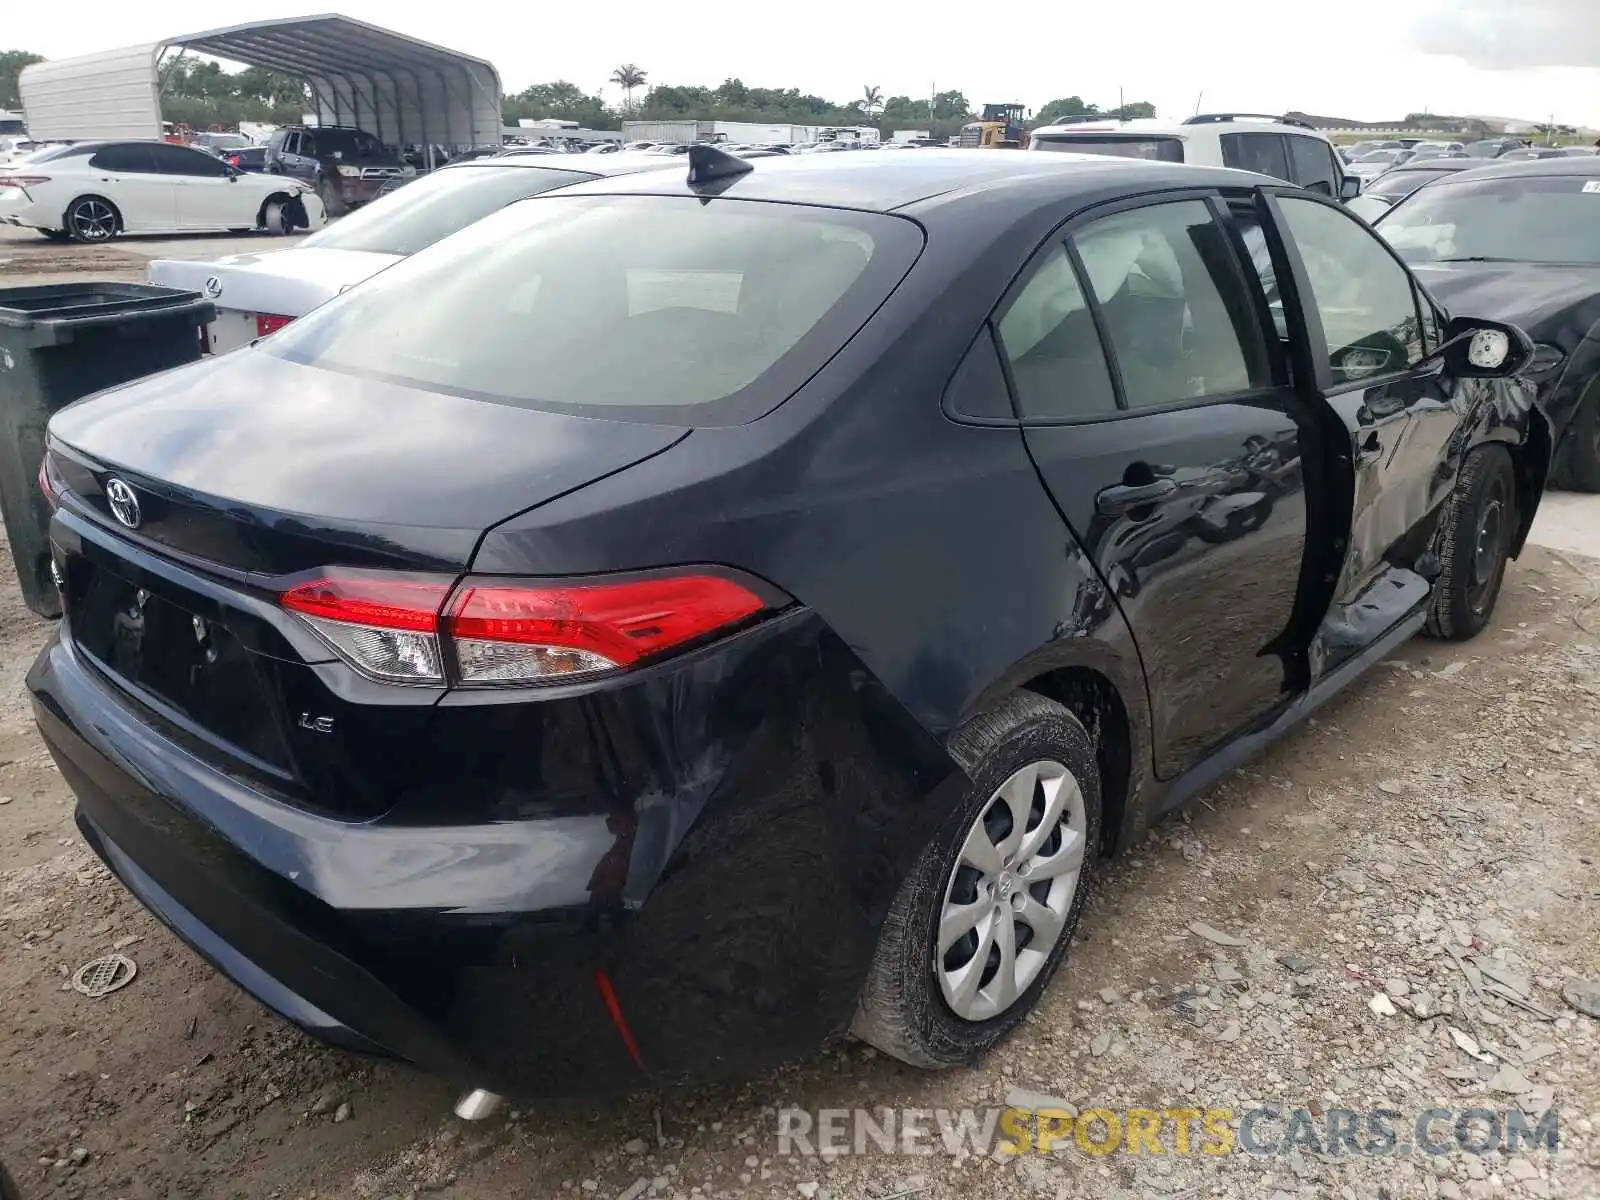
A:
[1432,837]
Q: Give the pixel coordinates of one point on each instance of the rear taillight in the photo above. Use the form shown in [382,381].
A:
[23,181]
[270,323]
[398,629]
[49,484]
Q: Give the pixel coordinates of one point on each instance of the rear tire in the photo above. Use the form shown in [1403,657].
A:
[92,220]
[909,1004]
[1577,466]
[1478,525]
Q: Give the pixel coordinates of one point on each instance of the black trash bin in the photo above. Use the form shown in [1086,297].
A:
[59,343]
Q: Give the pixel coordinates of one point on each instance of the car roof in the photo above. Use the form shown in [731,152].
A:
[1158,125]
[890,182]
[623,162]
[1538,167]
[1438,164]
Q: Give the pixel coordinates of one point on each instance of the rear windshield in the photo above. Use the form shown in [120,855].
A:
[1157,149]
[1546,219]
[671,309]
[436,206]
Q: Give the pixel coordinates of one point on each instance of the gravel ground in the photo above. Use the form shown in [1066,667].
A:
[1396,907]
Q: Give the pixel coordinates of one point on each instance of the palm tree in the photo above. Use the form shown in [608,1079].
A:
[871,100]
[628,77]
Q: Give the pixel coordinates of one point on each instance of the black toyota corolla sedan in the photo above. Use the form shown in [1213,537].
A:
[692,614]
[1521,241]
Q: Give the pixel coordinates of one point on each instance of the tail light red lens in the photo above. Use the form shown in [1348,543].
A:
[270,323]
[49,485]
[395,629]
[23,181]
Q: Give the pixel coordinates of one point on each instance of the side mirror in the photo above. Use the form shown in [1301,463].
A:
[1350,187]
[1478,348]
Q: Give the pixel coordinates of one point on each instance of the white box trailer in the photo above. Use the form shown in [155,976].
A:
[678,133]
[758,133]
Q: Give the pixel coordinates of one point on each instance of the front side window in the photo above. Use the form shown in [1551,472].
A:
[436,206]
[1549,219]
[1156,149]
[179,160]
[1049,340]
[649,307]
[1178,322]
[1263,153]
[1365,298]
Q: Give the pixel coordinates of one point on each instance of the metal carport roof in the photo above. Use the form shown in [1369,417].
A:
[401,89]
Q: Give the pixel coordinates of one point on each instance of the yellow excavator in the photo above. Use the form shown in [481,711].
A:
[1000,128]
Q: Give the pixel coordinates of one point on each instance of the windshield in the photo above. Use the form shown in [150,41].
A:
[1158,149]
[349,142]
[436,206]
[636,304]
[1548,219]
[1398,184]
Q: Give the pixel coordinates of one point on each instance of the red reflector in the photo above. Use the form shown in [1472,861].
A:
[622,622]
[270,323]
[386,603]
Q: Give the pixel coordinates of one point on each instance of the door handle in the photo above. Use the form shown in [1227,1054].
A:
[1118,499]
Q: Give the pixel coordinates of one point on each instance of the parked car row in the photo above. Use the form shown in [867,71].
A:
[568,659]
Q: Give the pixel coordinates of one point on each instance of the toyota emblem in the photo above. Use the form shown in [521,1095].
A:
[124,504]
[213,287]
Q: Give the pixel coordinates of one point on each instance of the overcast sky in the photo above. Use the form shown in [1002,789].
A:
[1364,59]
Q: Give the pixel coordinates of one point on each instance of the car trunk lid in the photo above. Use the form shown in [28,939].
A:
[260,465]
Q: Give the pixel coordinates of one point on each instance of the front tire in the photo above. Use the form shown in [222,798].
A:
[92,220]
[985,916]
[1475,546]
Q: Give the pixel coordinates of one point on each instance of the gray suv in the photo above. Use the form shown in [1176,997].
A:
[347,166]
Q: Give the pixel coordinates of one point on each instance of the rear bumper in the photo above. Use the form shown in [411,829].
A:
[733,911]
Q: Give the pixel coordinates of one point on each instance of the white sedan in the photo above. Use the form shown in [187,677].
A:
[256,294]
[93,191]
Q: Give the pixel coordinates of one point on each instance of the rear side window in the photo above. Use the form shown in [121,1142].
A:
[1263,153]
[1311,160]
[669,309]
[1157,149]
[1049,340]
[128,156]
[436,206]
[1178,320]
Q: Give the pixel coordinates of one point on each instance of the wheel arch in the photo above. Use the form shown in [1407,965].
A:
[1107,693]
[1531,461]
[116,211]
[283,198]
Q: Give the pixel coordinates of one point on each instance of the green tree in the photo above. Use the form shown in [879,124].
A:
[11,64]
[871,100]
[560,101]
[629,78]
[1138,110]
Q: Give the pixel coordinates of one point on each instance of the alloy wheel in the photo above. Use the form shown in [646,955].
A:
[1008,898]
[93,220]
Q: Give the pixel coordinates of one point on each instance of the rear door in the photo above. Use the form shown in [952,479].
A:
[1158,411]
[146,198]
